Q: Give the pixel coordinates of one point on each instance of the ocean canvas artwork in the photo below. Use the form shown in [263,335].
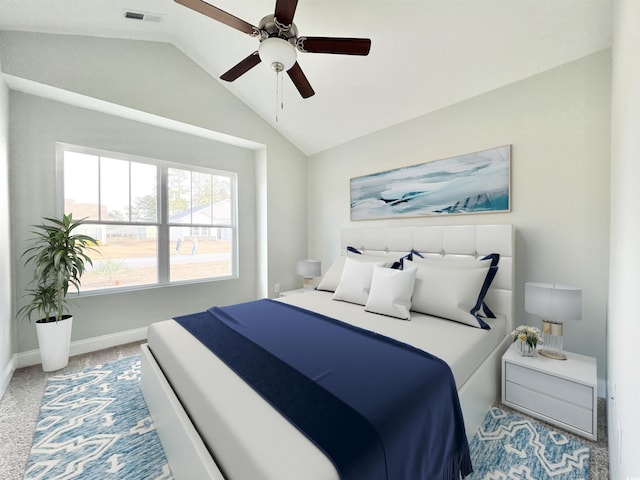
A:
[472,183]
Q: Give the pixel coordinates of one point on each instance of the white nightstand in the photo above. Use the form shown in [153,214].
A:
[295,292]
[560,392]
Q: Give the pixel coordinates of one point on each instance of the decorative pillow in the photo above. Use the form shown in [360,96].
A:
[331,279]
[391,292]
[454,289]
[489,261]
[355,281]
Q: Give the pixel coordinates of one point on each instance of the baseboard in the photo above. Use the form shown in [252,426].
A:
[7,374]
[32,357]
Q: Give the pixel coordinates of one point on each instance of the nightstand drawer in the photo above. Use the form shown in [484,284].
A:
[552,407]
[569,392]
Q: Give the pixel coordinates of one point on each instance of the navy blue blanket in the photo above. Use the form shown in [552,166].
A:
[378,408]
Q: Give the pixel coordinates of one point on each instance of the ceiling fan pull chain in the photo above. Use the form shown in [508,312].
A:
[277,95]
[281,91]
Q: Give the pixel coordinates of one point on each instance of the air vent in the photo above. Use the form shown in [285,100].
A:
[143,16]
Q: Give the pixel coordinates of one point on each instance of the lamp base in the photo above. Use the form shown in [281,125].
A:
[552,354]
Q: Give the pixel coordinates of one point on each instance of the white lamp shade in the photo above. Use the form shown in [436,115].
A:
[553,302]
[277,51]
[308,268]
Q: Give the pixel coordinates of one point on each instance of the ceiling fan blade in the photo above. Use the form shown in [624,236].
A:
[299,79]
[220,15]
[241,68]
[285,9]
[342,46]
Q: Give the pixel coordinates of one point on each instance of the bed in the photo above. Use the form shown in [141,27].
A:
[210,421]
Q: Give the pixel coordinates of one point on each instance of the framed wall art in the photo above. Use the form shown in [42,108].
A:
[477,182]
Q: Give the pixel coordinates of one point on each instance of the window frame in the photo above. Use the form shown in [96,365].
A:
[162,221]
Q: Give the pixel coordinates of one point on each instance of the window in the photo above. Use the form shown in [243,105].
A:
[156,222]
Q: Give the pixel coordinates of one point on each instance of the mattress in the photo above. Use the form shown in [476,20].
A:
[251,439]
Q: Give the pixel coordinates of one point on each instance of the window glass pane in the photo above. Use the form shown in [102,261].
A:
[114,189]
[144,192]
[202,206]
[197,253]
[80,185]
[222,200]
[179,191]
[127,255]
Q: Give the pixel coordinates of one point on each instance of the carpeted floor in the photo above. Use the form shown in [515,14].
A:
[20,406]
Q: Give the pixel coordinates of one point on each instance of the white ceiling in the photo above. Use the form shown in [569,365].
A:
[425,54]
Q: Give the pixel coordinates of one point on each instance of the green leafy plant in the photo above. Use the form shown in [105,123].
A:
[58,255]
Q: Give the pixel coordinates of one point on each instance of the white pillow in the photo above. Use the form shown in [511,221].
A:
[331,279]
[451,291]
[465,261]
[391,292]
[355,281]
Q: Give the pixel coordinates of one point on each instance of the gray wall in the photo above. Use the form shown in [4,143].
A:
[558,125]
[36,125]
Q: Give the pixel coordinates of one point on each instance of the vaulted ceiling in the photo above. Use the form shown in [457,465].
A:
[425,54]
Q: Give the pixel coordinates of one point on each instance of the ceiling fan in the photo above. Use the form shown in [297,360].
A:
[279,39]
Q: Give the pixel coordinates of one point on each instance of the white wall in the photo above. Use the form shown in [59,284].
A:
[558,124]
[7,329]
[624,328]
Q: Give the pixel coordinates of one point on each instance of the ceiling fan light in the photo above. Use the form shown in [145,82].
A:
[277,53]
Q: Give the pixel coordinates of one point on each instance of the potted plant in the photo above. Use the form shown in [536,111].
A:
[58,255]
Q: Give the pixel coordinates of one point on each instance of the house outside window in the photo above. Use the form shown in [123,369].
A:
[156,222]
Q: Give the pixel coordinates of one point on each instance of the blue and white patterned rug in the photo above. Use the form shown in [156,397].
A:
[508,446]
[95,425]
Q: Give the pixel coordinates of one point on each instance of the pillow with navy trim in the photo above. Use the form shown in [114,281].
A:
[391,291]
[331,279]
[453,288]
[490,260]
[355,281]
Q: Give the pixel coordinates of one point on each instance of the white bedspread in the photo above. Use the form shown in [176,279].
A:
[250,439]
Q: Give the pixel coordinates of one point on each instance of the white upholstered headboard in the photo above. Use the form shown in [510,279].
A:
[458,240]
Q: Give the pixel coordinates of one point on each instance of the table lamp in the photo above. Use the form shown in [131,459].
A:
[308,269]
[555,304]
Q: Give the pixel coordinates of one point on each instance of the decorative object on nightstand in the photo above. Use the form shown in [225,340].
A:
[308,269]
[528,339]
[555,304]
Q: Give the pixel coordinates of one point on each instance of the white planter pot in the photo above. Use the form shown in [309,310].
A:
[54,339]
